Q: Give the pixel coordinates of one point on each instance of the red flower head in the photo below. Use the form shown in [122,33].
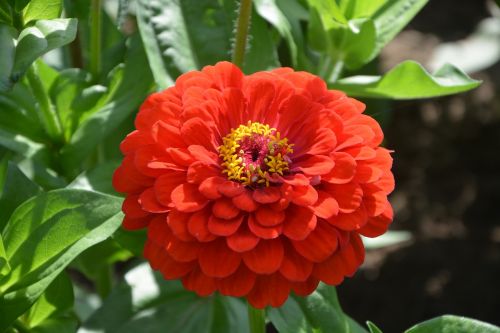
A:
[255,185]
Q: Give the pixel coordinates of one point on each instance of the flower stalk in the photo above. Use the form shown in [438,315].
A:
[256,319]
[242,28]
[48,115]
[95,39]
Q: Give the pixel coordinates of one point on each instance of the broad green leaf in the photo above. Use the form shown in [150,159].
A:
[97,179]
[7,55]
[148,303]
[44,235]
[123,101]
[349,42]
[261,52]
[270,11]
[16,190]
[4,263]
[359,8]
[57,299]
[183,35]
[5,13]
[453,324]
[64,93]
[39,39]
[42,10]
[67,324]
[18,114]
[408,80]
[392,17]
[373,328]
[20,4]
[319,312]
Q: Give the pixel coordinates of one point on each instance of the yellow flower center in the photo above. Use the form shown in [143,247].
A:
[252,153]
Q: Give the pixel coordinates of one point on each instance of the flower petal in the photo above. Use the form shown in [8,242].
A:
[187,198]
[150,203]
[267,195]
[299,223]
[266,257]
[268,217]
[217,260]
[198,226]
[242,240]
[294,266]
[270,290]
[264,232]
[178,223]
[326,206]
[245,201]
[224,227]
[238,284]
[320,243]
[198,282]
[223,208]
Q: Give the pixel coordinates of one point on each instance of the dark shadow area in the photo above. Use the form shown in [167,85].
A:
[447,169]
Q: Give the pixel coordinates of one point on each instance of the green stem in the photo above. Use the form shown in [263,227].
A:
[336,71]
[20,327]
[256,319]
[95,39]
[48,115]
[242,28]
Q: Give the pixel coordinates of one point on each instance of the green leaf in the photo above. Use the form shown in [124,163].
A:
[16,190]
[97,179]
[270,11]
[5,13]
[408,80]
[39,39]
[392,17]
[7,55]
[148,303]
[44,235]
[359,8]
[122,102]
[373,328]
[183,35]
[133,241]
[350,42]
[453,324]
[4,263]
[19,114]
[319,312]
[261,52]
[42,10]
[59,325]
[20,4]
[57,299]
[64,92]
[23,145]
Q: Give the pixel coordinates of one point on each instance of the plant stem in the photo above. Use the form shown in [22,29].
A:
[48,115]
[242,28]
[95,39]
[336,71]
[256,319]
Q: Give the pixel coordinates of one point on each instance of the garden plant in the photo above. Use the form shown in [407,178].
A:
[198,165]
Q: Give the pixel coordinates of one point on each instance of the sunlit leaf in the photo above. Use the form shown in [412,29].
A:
[392,17]
[42,10]
[44,235]
[39,39]
[270,10]
[453,324]
[57,299]
[408,80]
[183,35]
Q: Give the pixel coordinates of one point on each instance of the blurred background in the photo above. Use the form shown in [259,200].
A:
[447,169]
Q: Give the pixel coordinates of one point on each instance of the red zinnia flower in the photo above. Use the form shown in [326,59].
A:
[254,185]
